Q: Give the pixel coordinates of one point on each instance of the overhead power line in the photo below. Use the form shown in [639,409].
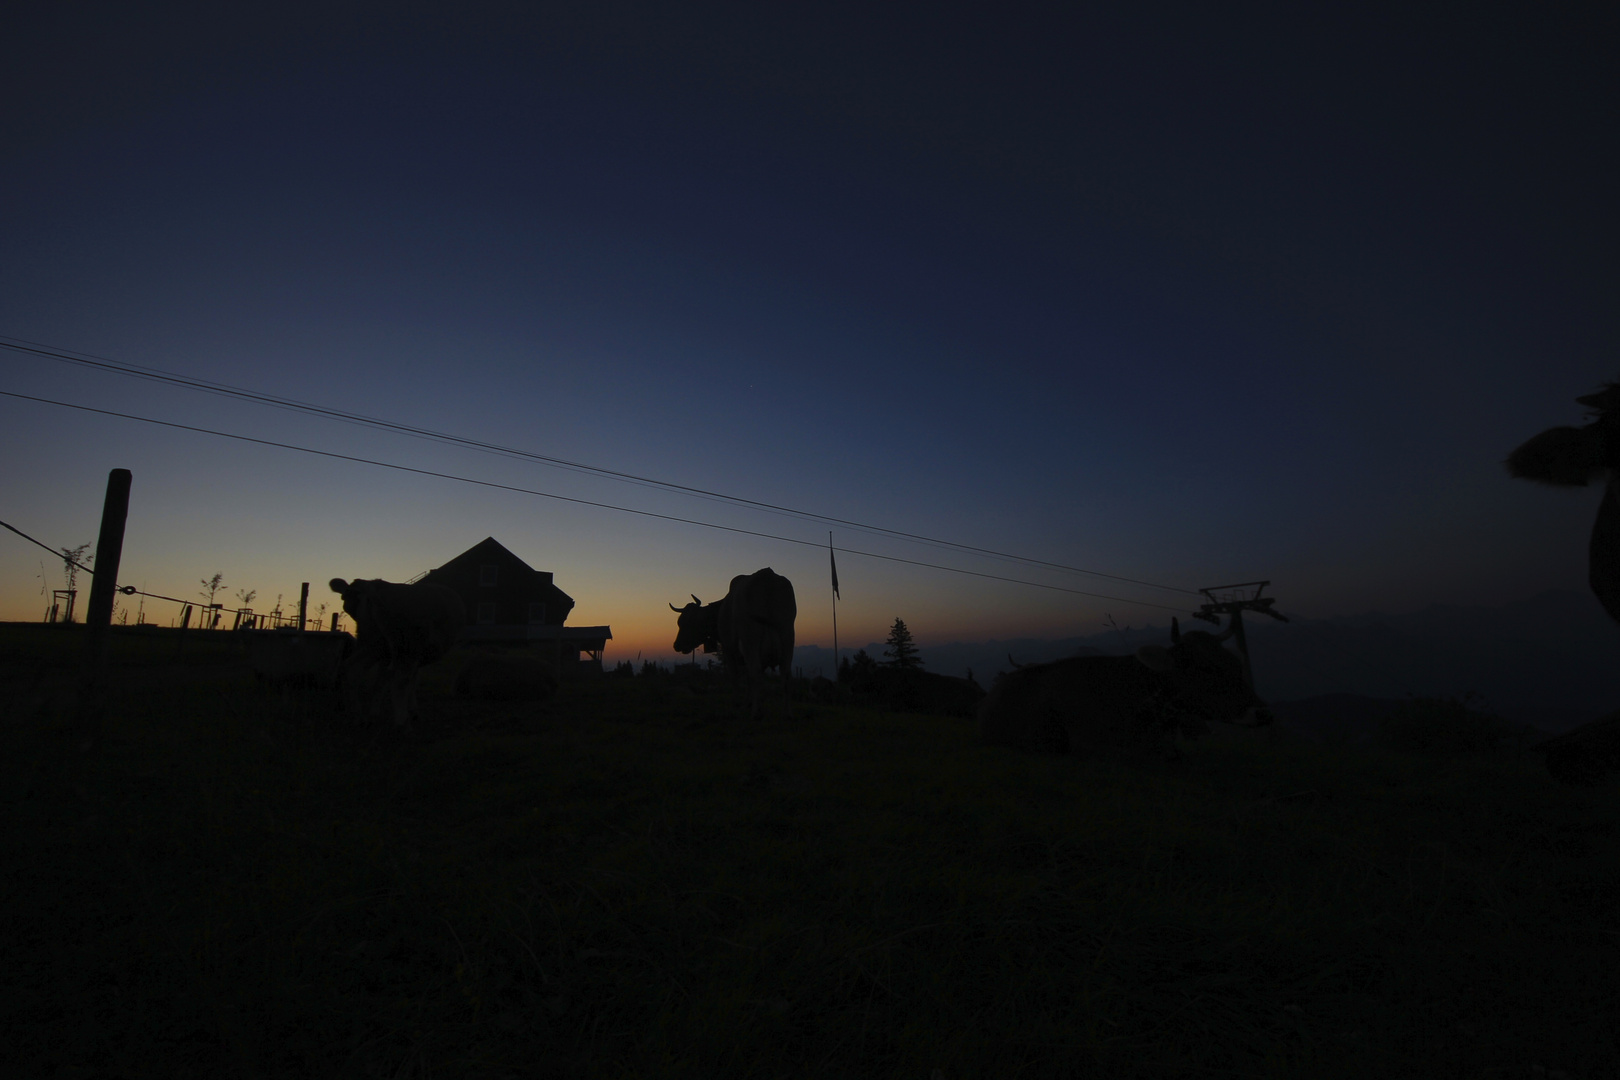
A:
[570,499]
[226,390]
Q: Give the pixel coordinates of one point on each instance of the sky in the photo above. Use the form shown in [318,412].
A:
[1176,295]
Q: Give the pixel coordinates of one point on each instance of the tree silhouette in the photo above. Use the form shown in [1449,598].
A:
[901,651]
[212,585]
[71,558]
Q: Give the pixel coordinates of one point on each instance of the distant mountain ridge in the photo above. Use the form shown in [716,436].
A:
[1551,660]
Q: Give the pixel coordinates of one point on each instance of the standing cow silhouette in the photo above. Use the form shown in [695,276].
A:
[398,629]
[1577,457]
[751,628]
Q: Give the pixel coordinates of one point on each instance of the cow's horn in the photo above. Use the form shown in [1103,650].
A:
[1175,631]
[1013,662]
[675,609]
[696,601]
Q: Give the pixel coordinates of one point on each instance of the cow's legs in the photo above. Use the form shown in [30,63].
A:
[1603,567]
[756,681]
[400,700]
[399,697]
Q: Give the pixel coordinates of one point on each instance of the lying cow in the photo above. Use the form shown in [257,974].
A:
[751,629]
[398,629]
[1093,704]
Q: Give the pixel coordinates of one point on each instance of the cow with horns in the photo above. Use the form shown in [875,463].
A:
[751,628]
[1097,704]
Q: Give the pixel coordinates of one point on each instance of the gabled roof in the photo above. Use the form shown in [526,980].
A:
[491,548]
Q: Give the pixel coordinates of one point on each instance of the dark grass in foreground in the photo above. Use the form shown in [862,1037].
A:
[631,882]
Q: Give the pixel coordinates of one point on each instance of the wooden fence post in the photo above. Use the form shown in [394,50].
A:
[303,604]
[98,615]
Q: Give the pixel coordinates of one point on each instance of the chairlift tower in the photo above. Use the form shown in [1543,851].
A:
[1234,600]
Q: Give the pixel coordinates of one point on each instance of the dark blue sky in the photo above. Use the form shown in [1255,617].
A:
[1180,295]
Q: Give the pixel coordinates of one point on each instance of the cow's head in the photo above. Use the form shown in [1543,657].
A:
[1570,456]
[1562,456]
[699,624]
[358,596]
[1204,679]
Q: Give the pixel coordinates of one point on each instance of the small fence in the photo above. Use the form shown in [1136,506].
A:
[208,616]
[212,617]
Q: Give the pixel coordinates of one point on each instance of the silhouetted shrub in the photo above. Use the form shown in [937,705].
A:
[859,672]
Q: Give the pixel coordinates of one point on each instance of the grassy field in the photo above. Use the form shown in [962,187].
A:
[631,882]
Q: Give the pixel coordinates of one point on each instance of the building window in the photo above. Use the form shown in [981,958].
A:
[487,574]
[537,613]
[486,614]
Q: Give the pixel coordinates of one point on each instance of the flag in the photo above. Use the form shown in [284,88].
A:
[834,560]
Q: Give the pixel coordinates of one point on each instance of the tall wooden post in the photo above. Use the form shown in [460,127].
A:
[98,616]
[303,604]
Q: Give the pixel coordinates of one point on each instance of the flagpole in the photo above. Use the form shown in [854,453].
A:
[834,564]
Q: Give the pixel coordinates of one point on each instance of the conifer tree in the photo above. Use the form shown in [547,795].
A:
[901,650]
